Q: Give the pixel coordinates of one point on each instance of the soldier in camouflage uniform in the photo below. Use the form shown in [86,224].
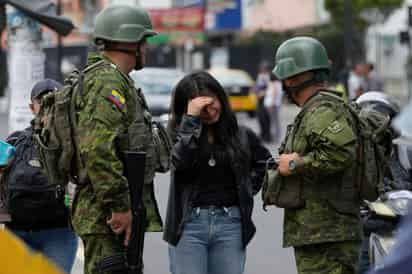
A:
[316,165]
[113,117]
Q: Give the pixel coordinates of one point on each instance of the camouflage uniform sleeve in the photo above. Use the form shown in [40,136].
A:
[98,146]
[331,139]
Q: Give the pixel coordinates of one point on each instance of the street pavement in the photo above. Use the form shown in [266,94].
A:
[265,253]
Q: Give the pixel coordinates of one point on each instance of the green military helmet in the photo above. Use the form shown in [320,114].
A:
[122,23]
[298,55]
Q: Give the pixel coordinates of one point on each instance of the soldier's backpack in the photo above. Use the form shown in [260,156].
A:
[375,146]
[374,137]
[55,131]
[28,196]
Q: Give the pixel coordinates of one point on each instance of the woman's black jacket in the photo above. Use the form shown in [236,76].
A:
[249,177]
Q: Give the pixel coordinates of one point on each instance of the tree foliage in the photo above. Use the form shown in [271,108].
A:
[337,10]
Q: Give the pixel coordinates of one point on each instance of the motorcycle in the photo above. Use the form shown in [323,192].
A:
[382,219]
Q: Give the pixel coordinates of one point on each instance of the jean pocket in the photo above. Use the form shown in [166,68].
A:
[192,215]
[233,214]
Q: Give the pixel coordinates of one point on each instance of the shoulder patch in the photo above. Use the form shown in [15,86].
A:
[335,127]
[117,99]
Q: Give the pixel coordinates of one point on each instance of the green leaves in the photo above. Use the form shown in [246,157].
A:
[336,8]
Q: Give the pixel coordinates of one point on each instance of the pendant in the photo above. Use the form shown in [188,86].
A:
[212,161]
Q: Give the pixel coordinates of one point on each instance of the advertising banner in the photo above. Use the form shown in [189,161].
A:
[190,19]
[224,15]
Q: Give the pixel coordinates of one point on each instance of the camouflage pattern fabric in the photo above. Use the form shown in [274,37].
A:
[327,143]
[113,117]
[97,247]
[327,258]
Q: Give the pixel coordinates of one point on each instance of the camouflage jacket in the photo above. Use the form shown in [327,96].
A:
[113,117]
[323,136]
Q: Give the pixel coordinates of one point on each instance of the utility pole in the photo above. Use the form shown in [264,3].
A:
[348,33]
[26,58]
[59,46]
[26,65]
[3,60]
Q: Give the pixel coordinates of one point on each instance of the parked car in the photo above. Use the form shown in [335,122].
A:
[157,85]
[239,86]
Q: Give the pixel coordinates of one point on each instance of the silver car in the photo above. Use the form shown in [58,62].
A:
[157,85]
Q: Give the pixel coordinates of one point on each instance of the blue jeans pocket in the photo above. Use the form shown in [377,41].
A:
[193,215]
[233,214]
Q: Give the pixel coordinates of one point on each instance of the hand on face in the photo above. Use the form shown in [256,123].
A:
[198,104]
[205,107]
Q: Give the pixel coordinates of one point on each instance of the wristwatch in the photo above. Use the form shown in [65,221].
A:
[292,165]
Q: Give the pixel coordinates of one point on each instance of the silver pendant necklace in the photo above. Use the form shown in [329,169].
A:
[212,161]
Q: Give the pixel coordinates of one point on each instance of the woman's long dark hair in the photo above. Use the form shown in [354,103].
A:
[202,83]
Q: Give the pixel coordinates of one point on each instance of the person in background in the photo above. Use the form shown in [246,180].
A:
[356,81]
[217,167]
[261,88]
[396,176]
[373,82]
[272,103]
[39,215]
[399,259]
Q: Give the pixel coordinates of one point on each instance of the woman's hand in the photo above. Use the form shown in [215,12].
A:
[196,105]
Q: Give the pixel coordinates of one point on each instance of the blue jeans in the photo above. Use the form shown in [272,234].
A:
[364,262]
[211,243]
[58,244]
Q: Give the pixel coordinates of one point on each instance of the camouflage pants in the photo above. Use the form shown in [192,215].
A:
[328,258]
[97,247]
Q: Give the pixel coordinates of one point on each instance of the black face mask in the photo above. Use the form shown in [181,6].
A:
[290,98]
[295,89]
[139,63]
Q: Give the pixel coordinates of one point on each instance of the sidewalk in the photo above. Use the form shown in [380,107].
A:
[79,261]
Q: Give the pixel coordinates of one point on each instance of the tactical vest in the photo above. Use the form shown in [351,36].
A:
[139,137]
[338,189]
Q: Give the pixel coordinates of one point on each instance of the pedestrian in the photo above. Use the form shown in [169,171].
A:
[39,215]
[396,176]
[399,259]
[273,103]
[217,167]
[261,89]
[113,117]
[356,81]
[316,174]
[373,82]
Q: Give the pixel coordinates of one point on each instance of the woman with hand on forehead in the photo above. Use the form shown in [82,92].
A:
[214,177]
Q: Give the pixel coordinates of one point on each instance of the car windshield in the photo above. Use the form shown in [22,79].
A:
[150,87]
[159,82]
[232,79]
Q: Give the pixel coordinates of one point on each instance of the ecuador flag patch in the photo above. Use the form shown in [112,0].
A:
[117,99]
